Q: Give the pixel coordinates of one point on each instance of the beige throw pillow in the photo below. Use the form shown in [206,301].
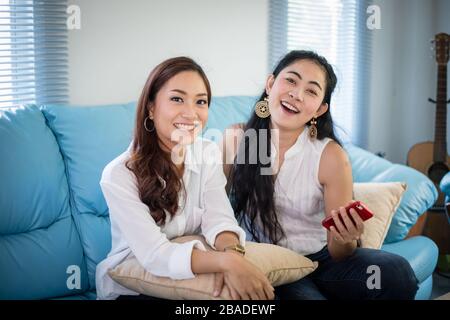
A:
[383,200]
[280,265]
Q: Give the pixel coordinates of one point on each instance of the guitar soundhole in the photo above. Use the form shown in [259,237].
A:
[437,171]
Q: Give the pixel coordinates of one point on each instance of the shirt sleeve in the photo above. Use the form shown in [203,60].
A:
[151,247]
[218,216]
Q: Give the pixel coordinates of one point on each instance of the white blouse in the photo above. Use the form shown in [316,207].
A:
[299,196]
[206,210]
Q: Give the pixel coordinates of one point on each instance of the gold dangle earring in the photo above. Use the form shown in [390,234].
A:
[313,129]
[262,108]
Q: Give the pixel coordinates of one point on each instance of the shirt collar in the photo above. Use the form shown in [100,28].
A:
[295,149]
[130,146]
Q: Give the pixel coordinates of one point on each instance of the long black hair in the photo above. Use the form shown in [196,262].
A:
[252,193]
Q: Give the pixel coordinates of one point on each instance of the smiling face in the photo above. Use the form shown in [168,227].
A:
[180,109]
[296,95]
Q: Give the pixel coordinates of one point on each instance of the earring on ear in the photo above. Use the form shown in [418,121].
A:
[313,129]
[262,108]
[145,124]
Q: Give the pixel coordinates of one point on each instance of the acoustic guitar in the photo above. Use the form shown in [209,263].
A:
[431,158]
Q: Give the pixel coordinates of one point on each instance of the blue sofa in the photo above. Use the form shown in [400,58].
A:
[444,185]
[54,224]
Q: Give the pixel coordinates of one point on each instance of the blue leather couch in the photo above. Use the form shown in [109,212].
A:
[445,188]
[444,258]
[54,225]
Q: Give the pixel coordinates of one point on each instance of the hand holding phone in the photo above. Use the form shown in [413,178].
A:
[362,211]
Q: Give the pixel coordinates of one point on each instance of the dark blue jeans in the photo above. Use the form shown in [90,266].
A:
[353,278]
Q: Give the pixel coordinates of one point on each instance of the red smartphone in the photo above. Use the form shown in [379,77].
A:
[362,211]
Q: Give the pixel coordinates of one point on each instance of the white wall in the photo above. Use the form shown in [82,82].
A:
[121,41]
[443,19]
[404,75]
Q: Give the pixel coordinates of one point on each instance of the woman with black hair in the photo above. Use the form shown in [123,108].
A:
[287,171]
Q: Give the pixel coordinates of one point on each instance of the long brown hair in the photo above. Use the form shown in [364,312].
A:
[158,180]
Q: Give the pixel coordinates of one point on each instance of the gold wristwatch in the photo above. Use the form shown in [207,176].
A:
[236,247]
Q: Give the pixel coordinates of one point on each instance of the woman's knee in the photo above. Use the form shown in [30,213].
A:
[388,275]
[396,277]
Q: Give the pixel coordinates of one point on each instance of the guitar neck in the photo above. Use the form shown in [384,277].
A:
[440,134]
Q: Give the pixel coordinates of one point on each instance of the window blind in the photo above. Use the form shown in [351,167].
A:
[335,29]
[33,52]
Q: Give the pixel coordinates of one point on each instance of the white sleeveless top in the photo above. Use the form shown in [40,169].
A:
[299,198]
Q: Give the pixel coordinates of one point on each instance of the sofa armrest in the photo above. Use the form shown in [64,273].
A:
[445,184]
[420,194]
[421,253]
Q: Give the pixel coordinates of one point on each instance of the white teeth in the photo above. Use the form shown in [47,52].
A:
[188,127]
[290,107]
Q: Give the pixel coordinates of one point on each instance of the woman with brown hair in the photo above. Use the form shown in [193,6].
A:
[170,183]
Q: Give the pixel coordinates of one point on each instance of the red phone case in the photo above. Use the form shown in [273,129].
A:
[362,211]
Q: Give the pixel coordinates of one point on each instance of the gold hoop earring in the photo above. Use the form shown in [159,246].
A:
[262,108]
[313,129]
[145,125]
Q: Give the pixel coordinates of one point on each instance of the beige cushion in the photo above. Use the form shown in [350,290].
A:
[280,265]
[383,200]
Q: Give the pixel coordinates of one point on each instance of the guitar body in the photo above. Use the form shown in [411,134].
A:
[420,157]
[431,224]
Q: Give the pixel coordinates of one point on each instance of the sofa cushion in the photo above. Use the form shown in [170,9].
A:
[383,200]
[38,238]
[89,137]
[279,264]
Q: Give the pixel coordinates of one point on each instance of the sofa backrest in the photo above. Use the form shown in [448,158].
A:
[225,111]
[40,247]
[89,138]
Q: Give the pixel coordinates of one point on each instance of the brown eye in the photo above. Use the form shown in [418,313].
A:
[290,80]
[176,99]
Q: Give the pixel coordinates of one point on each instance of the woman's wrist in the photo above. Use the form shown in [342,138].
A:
[339,250]
[228,260]
[235,248]
[225,239]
